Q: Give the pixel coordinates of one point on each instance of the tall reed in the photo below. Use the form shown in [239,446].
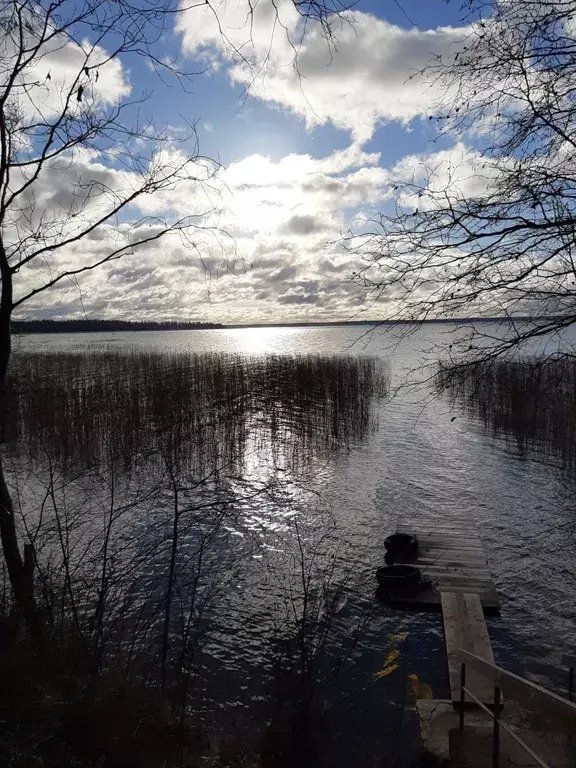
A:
[198,409]
[153,540]
[530,400]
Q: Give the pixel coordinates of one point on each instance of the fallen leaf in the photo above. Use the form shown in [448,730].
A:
[419,690]
[386,671]
[392,656]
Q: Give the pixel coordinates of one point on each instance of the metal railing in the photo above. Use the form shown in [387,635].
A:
[522,691]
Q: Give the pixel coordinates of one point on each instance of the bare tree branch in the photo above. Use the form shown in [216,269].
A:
[489,228]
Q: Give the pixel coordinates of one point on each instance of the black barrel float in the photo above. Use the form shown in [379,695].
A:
[398,579]
[402,546]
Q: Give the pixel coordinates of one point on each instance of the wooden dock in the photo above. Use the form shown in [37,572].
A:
[450,556]
[465,629]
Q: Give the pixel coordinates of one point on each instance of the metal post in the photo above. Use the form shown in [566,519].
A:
[496,738]
[571,684]
[462,693]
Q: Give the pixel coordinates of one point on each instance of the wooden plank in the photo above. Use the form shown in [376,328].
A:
[448,549]
[432,556]
[447,552]
[450,529]
[464,624]
[454,640]
[434,573]
[464,585]
[458,537]
[446,542]
[445,521]
[470,585]
[523,691]
[488,599]
[430,600]
[450,535]
[466,568]
[444,539]
[450,566]
[445,527]
[446,564]
[478,628]
[431,527]
[428,548]
[462,569]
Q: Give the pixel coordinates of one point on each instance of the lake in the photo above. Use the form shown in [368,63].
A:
[419,459]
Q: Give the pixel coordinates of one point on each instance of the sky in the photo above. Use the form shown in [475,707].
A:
[298,157]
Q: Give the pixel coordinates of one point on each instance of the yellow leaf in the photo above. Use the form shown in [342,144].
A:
[398,638]
[419,690]
[392,656]
[386,671]
[424,691]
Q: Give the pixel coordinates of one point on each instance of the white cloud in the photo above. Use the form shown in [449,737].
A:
[284,220]
[257,194]
[60,66]
[368,77]
[460,172]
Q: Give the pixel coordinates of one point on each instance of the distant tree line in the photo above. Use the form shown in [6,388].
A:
[87,325]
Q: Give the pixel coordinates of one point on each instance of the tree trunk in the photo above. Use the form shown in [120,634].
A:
[20,581]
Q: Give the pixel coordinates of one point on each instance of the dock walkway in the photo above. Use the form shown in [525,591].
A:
[451,557]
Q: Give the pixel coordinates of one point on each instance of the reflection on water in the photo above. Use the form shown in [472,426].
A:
[530,401]
[262,341]
[419,458]
[187,486]
[206,412]
[521,424]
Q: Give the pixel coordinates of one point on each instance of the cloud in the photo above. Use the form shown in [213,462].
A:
[285,217]
[283,275]
[59,67]
[369,77]
[302,225]
[461,172]
[276,222]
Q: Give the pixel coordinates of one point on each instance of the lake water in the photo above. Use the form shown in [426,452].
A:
[420,460]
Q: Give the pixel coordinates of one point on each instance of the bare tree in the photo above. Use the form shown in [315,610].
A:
[488,228]
[67,114]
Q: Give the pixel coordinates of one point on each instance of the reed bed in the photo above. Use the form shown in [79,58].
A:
[151,577]
[157,476]
[530,400]
[199,410]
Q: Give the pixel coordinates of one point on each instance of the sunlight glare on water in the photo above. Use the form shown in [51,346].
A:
[262,341]
[420,459]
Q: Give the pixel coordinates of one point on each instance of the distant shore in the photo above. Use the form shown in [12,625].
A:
[100,326]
